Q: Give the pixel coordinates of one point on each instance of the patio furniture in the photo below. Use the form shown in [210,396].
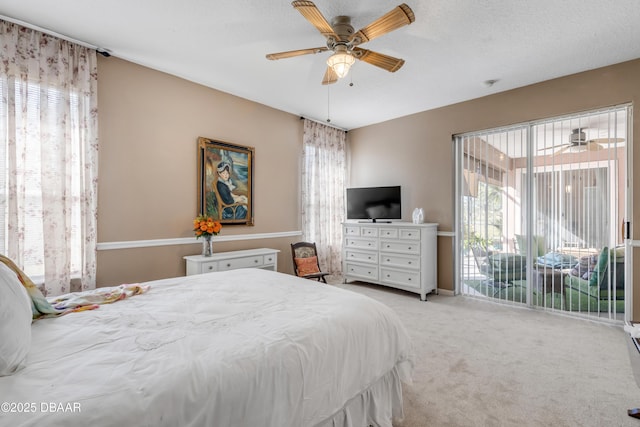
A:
[605,286]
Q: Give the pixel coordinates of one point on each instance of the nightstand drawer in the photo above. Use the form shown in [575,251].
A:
[248,262]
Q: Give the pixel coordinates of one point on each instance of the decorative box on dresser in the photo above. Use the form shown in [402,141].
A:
[401,255]
[264,258]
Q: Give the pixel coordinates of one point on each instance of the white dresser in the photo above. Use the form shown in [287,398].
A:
[401,255]
[221,261]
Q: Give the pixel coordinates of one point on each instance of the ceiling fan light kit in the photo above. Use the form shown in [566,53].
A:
[343,42]
[341,62]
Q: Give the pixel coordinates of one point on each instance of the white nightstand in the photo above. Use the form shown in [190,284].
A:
[221,261]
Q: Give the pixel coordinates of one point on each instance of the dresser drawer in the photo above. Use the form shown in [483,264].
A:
[269,259]
[355,256]
[353,243]
[248,262]
[409,279]
[400,246]
[352,230]
[409,234]
[390,233]
[208,267]
[362,271]
[369,232]
[401,261]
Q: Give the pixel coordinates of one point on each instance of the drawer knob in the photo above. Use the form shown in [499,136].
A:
[228,265]
[255,260]
[409,279]
[388,260]
[210,267]
[409,247]
[409,262]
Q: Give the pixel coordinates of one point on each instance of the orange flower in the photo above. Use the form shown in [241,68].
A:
[205,225]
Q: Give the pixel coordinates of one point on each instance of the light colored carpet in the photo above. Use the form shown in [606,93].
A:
[482,364]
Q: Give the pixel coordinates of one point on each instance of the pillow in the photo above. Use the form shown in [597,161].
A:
[15,322]
[601,267]
[307,265]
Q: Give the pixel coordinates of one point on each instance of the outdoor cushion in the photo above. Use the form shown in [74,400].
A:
[507,261]
[539,246]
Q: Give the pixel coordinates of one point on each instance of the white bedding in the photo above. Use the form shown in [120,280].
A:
[239,348]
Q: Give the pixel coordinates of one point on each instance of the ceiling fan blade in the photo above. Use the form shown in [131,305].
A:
[606,140]
[553,147]
[313,15]
[292,53]
[562,150]
[399,17]
[385,62]
[593,146]
[330,77]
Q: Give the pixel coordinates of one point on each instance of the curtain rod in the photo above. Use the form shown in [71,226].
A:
[100,50]
[324,123]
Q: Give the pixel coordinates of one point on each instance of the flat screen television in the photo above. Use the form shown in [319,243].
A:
[374,203]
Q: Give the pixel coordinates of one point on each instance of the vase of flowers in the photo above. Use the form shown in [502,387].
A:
[206,227]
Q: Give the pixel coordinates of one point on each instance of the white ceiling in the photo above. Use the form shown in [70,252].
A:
[451,49]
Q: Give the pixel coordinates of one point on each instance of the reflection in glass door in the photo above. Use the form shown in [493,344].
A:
[539,208]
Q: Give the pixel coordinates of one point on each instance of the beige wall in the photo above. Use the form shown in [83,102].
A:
[149,125]
[416,151]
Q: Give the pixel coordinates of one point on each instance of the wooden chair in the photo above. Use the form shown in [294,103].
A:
[222,205]
[305,261]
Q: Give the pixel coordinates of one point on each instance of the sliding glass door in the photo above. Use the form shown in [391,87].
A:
[539,208]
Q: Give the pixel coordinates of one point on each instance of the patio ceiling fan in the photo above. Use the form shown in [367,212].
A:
[344,42]
[578,142]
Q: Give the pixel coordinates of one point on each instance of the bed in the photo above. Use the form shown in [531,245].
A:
[244,347]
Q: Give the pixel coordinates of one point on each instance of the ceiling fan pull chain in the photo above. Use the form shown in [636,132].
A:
[328,104]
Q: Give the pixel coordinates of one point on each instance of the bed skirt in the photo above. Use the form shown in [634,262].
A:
[378,405]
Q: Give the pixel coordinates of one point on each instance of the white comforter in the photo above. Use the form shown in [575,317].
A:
[238,348]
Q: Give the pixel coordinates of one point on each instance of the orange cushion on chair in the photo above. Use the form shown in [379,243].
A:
[307,265]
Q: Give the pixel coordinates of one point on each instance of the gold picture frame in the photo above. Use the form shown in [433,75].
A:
[225,186]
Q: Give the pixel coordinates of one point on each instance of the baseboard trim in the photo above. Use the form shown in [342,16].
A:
[445,292]
[106,246]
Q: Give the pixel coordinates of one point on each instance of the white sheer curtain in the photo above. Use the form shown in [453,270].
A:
[323,187]
[48,158]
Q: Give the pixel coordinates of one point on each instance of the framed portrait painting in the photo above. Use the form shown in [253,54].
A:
[225,190]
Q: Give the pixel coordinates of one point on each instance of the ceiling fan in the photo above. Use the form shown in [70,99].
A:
[578,142]
[342,40]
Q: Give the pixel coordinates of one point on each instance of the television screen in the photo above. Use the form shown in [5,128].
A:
[374,203]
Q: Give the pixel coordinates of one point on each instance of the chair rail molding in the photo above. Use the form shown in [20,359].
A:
[105,246]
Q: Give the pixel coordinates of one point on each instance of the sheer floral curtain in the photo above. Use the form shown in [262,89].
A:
[48,158]
[323,187]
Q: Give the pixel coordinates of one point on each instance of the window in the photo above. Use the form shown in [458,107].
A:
[48,158]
